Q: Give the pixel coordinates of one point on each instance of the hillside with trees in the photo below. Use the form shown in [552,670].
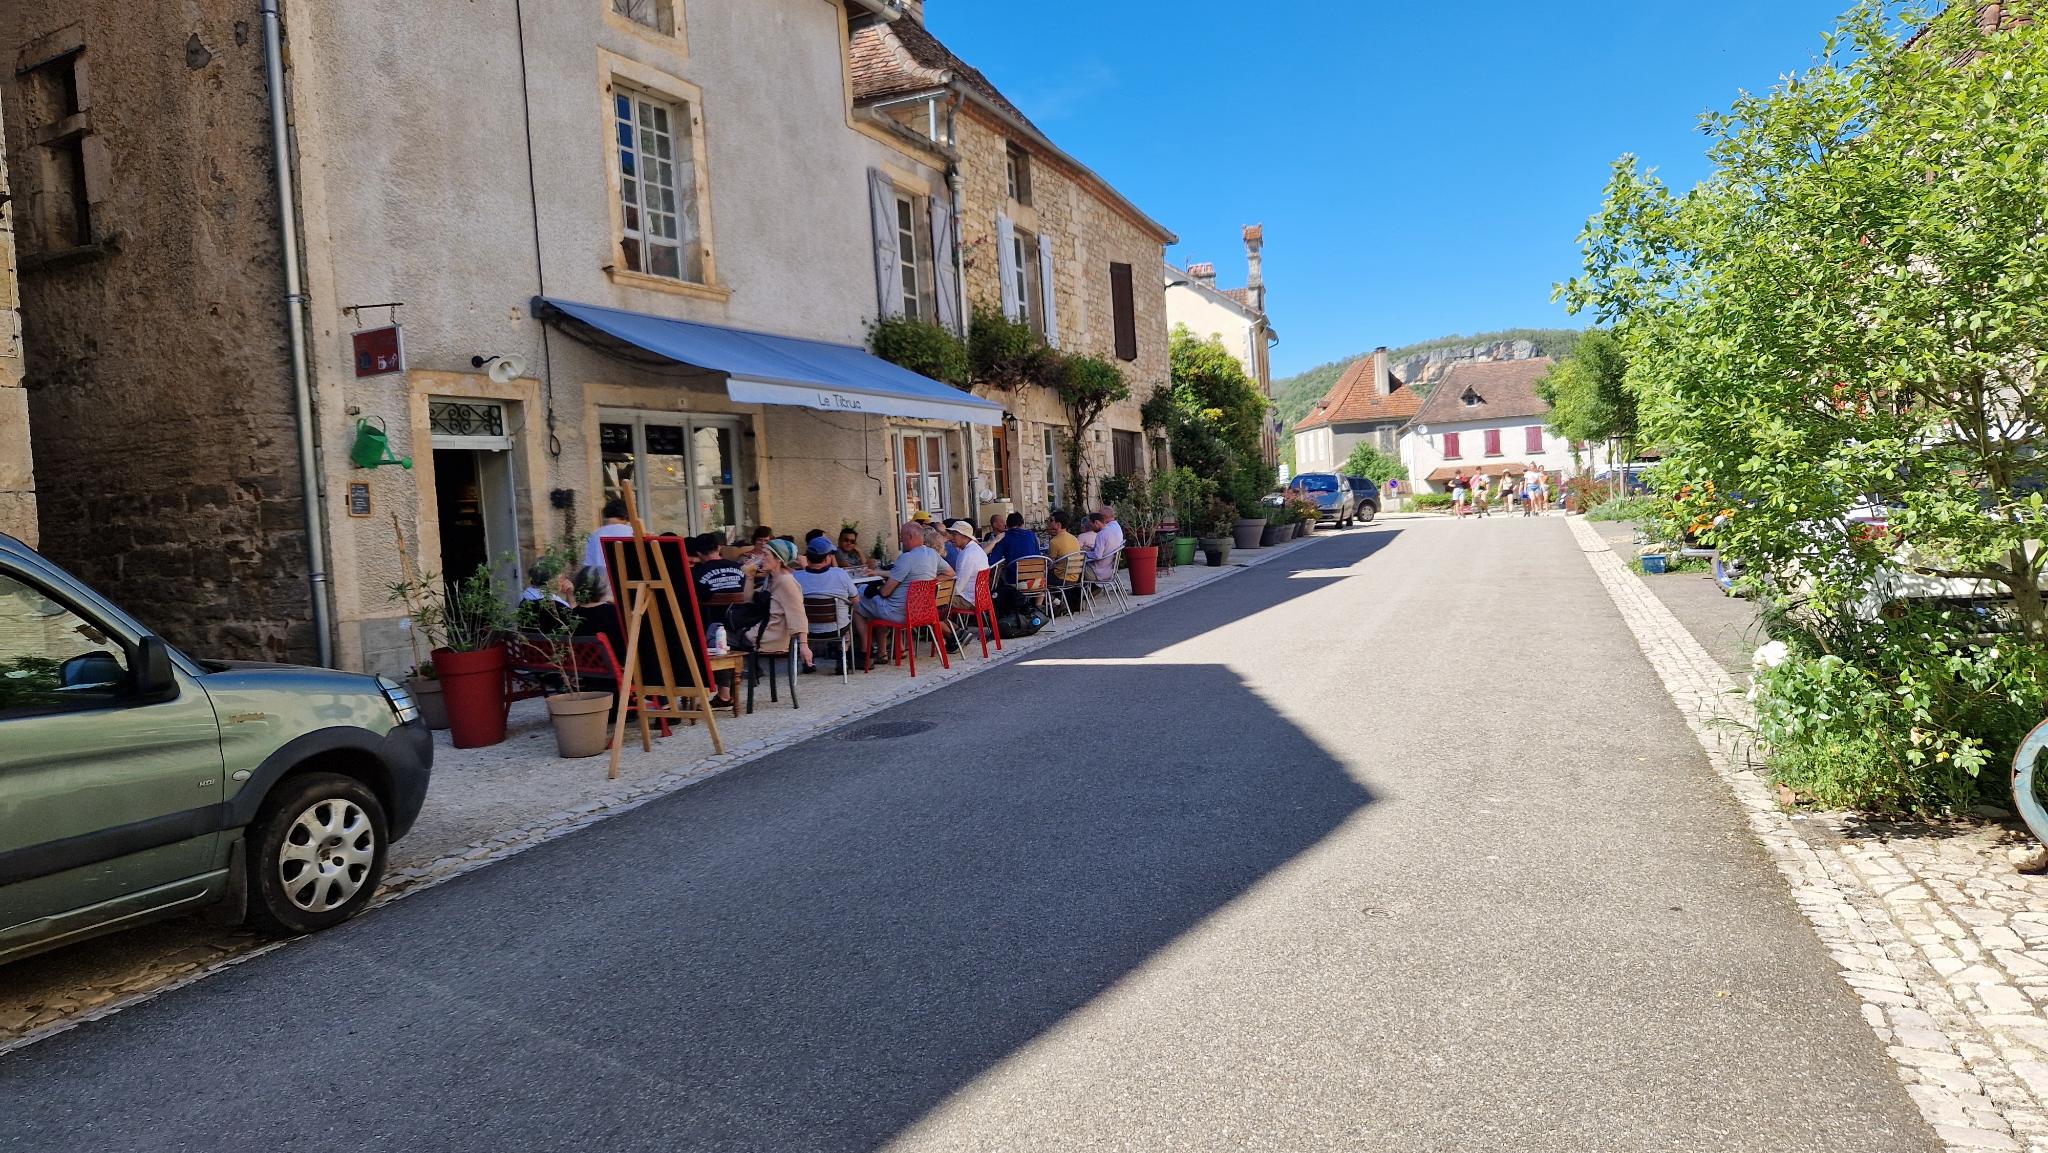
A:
[1293,396]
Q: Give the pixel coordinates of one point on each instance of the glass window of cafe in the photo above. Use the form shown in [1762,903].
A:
[686,471]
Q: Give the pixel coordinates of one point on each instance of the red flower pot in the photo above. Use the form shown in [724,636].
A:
[1144,564]
[473,688]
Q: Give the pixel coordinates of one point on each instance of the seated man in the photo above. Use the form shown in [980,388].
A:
[972,563]
[1063,541]
[849,550]
[886,601]
[822,577]
[713,575]
[1016,543]
[1109,537]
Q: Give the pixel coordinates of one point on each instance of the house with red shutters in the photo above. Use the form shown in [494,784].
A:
[1484,417]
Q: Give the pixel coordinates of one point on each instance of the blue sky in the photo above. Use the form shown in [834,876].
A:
[1421,168]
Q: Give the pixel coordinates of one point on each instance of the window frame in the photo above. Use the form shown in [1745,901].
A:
[1052,466]
[620,74]
[673,37]
[1030,298]
[1125,442]
[1123,307]
[1017,170]
[1000,451]
[910,262]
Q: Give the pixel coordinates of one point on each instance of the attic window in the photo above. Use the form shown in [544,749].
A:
[1470,398]
[659,15]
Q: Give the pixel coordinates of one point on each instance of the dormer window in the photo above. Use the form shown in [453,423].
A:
[1470,398]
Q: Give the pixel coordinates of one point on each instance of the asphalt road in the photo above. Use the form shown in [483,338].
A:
[1395,846]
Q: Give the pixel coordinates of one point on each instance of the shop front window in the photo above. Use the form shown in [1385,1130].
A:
[684,470]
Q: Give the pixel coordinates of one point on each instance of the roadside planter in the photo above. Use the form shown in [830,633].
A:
[581,723]
[473,689]
[1654,563]
[1216,550]
[1144,567]
[1275,534]
[1248,532]
[426,692]
[1184,550]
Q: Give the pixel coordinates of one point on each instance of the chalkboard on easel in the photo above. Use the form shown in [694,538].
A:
[622,560]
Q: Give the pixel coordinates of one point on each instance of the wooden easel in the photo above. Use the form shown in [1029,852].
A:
[654,581]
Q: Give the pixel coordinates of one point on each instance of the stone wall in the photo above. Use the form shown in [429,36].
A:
[1089,233]
[158,378]
[17,471]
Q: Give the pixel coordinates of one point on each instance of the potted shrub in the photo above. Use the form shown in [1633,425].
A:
[1190,496]
[1138,506]
[1249,530]
[425,688]
[1279,528]
[580,718]
[1305,514]
[425,604]
[471,663]
[1216,533]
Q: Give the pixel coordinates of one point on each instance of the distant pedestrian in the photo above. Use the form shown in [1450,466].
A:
[1461,491]
[1482,488]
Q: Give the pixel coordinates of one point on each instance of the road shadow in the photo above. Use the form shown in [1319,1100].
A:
[810,953]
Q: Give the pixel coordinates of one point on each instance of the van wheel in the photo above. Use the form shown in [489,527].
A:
[316,854]
[1366,512]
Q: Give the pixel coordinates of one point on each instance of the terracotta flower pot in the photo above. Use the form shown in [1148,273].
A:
[426,692]
[581,728]
[473,688]
[1144,566]
[1248,533]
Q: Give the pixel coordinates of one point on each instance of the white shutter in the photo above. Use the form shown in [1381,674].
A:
[888,257]
[1047,291]
[945,271]
[1006,264]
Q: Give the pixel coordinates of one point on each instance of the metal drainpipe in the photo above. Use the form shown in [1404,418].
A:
[295,309]
[955,184]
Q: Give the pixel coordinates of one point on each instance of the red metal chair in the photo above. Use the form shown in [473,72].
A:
[984,613]
[920,611]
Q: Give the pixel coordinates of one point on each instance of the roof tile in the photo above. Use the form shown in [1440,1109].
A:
[1504,389]
[1355,399]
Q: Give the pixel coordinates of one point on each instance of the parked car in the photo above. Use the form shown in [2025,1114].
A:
[1330,492]
[1365,496]
[137,782]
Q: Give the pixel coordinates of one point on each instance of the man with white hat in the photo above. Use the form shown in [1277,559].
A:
[973,562]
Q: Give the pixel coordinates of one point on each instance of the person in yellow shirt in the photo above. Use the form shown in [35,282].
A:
[1063,541]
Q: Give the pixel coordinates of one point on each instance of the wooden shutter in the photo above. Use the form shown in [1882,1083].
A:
[1533,439]
[1124,304]
[1450,446]
[1493,442]
[1006,265]
[888,257]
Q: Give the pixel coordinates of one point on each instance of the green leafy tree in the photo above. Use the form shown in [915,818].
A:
[1087,386]
[1369,462]
[1219,419]
[1853,307]
[1588,397]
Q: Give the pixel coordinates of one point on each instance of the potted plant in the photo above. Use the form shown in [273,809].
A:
[1653,558]
[424,603]
[1216,533]
[1249,527]
[1279,528]
[580,718]
[1305,514]
[1190,496]
[1138,507]
[471,663]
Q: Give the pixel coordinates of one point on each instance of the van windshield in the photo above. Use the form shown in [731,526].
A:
[1317,484]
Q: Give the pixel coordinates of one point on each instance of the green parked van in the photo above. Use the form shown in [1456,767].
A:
[138,783]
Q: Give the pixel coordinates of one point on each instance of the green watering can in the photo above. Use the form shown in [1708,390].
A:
[373,446]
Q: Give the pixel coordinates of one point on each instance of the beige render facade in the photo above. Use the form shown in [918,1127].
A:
[416,190]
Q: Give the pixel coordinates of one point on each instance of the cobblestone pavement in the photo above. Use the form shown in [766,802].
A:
[487,804]
[1946,945]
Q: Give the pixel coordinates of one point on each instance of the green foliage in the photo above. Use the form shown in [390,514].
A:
[922,347]
[1908,719]
[1635,508]
[475,614]
[1006,354]
[1293,396]
[1188,494]
[1587,398]
[1369,462]
[1217,421]
[1429,500]
[1850,308]
[1086,386]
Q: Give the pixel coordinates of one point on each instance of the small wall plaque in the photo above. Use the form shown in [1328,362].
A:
[379,350]
[359,499]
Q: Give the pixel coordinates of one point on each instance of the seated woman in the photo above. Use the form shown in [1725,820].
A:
[786,629]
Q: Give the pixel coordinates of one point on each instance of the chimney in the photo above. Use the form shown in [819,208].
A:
[1382,376]
[1255,285]
[1203,274]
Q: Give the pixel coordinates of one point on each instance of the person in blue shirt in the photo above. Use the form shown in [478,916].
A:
[1016,543]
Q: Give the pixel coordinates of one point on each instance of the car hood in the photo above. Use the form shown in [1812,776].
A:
[291,678]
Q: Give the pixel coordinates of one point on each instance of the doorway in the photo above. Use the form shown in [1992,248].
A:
[478,512]
[922,472]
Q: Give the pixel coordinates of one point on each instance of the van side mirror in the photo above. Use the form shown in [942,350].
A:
[153,676]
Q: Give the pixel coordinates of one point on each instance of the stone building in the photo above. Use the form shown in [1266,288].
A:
[1236,317]
[1046,241]
[17,466]
[626,240]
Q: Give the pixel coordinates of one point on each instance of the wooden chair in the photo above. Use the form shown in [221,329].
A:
[984,613]
[728,662]
[920,611]
[1068,573]
[823,612]
[1034,580]
[947,587]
